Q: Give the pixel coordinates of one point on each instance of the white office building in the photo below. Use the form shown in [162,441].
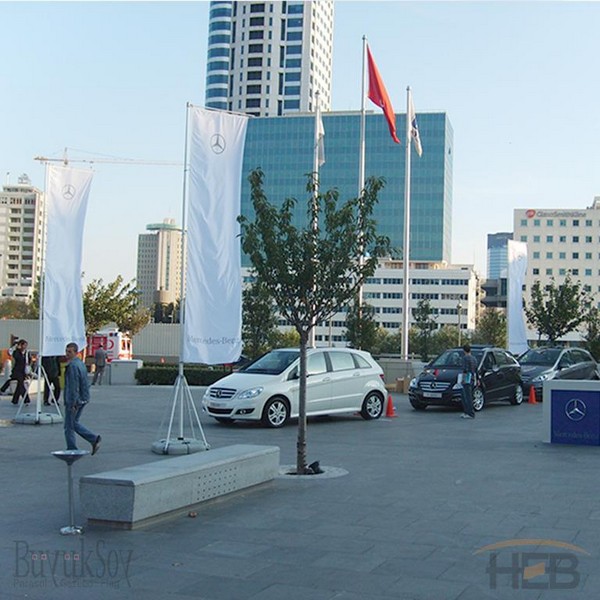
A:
[269,58]
[561,241]
[159,264]
[450,289]
[21,213]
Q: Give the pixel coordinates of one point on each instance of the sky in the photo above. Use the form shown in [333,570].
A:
[110,80]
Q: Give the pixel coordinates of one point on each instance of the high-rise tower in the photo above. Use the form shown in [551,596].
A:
[269,58]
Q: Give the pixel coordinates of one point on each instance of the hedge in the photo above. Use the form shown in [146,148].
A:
[167,374]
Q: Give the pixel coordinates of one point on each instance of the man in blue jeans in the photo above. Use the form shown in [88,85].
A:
[77,395]
[469,379]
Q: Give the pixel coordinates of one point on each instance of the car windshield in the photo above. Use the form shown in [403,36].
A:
[541,356]
[453,359]
[273,363]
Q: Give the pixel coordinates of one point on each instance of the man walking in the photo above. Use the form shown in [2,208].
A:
[100,362]
[469,379]
[76,396]
[21,372]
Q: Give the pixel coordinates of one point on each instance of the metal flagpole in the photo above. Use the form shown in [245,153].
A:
[406,247]
[182,393]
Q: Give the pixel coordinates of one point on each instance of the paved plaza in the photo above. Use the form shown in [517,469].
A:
[418,499]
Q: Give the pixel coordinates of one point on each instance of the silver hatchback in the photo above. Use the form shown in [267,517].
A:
[340,380]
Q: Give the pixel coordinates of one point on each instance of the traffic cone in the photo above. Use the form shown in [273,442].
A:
[532,399]
[390,410]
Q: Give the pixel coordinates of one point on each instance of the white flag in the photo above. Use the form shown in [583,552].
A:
[213,300]
[320,139]
[517,265]
[66,206]
[414,128]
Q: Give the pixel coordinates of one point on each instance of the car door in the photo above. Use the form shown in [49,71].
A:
[586,367]
[566,368]
[347,382]
[318,383]
[507,372]
[489,376]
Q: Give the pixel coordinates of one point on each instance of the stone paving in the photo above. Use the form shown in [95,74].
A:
[418,498]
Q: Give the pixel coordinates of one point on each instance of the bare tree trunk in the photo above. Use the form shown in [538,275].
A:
[301,442]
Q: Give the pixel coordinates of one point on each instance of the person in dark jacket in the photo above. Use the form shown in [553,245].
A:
[76,396]
[21,371]
[469,379]
[51,366]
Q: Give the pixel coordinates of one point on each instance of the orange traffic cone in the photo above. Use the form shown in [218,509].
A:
[390,410]
[532,399]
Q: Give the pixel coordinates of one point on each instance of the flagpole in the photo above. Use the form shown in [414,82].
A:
[406,247]
[315,197]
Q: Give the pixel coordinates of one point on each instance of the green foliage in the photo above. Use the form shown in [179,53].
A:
[259,321]
[592,332]
[166,375]
[491,328]
[10,308]
[114,302]
[556,310]
[289,338]
[166,313]
[361,327]
[425,324]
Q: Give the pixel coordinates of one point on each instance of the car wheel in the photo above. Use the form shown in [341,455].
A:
[372,406]
[478,399]
[275,413]
[224,420]
[417,404]
[518,395]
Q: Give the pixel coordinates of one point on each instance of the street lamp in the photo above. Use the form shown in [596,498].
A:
[458,311]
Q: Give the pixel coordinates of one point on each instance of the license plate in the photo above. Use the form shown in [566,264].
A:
[216,404]
[432,394]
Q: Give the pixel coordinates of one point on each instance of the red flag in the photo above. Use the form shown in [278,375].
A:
[378,94]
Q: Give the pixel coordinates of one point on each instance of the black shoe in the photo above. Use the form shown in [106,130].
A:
[15,401]
[96,445]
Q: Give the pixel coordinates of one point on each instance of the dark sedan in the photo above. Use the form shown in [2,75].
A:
[542,364]
[499,377]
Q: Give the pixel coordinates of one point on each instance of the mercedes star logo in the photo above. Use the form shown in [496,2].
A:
[575,409]
[218,393]
[68,192]
[217,143]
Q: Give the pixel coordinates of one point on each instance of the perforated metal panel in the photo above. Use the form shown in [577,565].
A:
[217,483]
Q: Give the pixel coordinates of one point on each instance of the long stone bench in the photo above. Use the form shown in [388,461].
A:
[135,496]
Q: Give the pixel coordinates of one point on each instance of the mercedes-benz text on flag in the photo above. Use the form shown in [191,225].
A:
[378,94]
[213,301]
[66,206]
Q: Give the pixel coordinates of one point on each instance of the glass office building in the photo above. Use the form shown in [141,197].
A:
[283,148]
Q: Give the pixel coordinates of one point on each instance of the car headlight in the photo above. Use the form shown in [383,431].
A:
[542,377]
[457,386]
[251,393]
[413,383]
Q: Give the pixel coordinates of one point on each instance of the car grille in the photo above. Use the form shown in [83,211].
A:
[223,393]
[434,386]
[219,411]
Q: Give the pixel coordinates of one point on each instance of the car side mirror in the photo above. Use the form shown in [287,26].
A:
[294,375]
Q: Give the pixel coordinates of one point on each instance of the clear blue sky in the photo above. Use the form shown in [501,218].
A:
[519,81]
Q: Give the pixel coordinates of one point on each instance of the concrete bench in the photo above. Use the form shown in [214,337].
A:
[134,496]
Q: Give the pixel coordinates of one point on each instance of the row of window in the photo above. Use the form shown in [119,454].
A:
[563,255]
[415,281]
[562,239]
[561,222]
[575,271]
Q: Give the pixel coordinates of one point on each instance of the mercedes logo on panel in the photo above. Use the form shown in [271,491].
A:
[575,409]
[217,143]
[68,192]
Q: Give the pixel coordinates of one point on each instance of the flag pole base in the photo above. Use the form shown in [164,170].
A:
[37,419]
[179,446]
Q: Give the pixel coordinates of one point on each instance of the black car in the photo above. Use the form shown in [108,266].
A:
[542,364]
[499,379]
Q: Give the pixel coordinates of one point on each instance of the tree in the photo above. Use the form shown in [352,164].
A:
[114,302]
[425,323]
[386,343]
[556,310]
[313,271]
[286,339]
[361,327]
[11,308]
[592,332]
[259,321]
[491,328]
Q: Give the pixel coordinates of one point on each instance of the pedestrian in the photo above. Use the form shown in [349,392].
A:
[100,362]
[8,365]
[469,380]
[76,396]
[51,366]
[21,371]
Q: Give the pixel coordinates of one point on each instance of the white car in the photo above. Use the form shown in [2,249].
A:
[340,380]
